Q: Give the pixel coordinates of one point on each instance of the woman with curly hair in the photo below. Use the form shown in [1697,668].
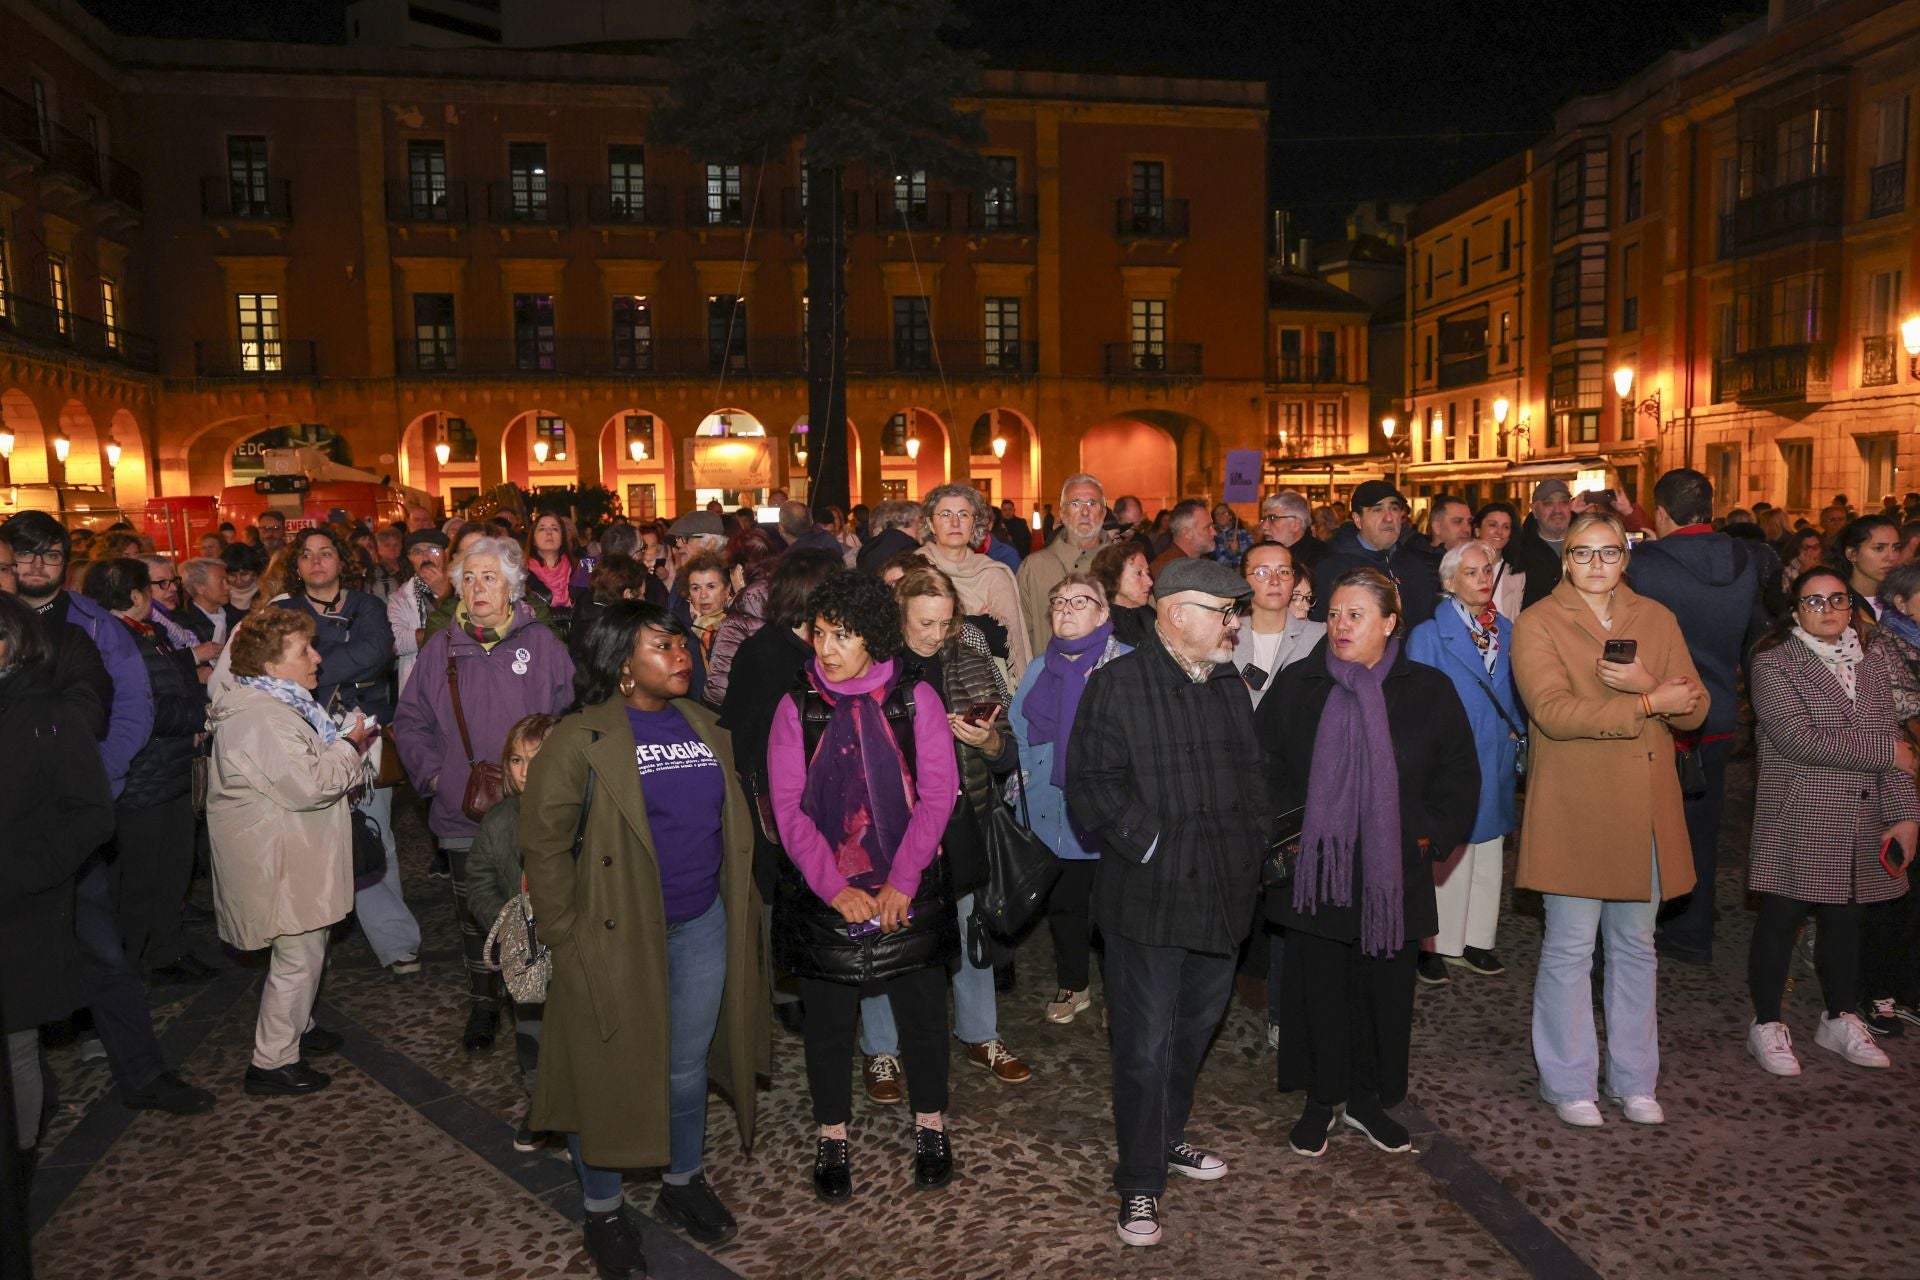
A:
[864,779]
[751,557]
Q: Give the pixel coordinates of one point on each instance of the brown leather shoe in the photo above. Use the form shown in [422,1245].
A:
[993,1056]
[882,1074]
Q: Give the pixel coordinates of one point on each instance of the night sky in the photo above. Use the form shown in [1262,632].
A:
[1381,100]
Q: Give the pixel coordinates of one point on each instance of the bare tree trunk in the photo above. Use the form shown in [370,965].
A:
[827,446]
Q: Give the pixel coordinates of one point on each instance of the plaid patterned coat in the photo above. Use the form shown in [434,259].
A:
[1828,785]
[1155,757]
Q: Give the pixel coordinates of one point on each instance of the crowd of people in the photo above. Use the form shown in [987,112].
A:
[741,774]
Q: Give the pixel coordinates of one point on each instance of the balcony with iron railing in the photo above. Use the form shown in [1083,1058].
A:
[1149,219]
[893,211]
[1152,359]
[1880,360]
[628,206]
[521,204]
[31,321]
[265,358]
[594,356]
[953,358]
[1793,372]
[1306,370]
[1887,188]
[438,203]
[228,198]
[1793,211]
[1001,213]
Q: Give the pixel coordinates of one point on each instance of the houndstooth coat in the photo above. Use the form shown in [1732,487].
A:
[1828,785]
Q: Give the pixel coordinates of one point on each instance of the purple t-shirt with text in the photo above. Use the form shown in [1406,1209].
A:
[685,793]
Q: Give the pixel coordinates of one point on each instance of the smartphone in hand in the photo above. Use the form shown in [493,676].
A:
[1893,856]
[1622,652]
[981,713]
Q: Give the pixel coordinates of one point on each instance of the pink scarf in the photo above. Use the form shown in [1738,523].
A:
[559,579]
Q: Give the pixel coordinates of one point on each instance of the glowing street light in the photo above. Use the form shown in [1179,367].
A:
[999,446]
[637,449]
[1387,425]
[442,451]
[1501,408]
[1910,339]
[113,454]
[62,446]
[913,447]
[1623,381]
[6,445]
[540,449]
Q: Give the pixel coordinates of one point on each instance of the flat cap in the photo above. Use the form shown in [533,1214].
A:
[1549,489]
[1197,573]
[697,524]
[424,537]
[1374,491]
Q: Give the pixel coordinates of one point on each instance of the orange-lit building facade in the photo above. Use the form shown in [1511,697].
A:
[1736,229]
[387,250]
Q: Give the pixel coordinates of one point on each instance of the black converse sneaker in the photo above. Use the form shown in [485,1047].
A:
[1194,1163]
[1139,1221]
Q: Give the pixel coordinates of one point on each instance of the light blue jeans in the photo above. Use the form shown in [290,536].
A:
[696,979]
[1565,1046]
[976,1013]
[383,914]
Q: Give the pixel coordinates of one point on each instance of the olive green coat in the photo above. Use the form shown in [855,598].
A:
[603,1051]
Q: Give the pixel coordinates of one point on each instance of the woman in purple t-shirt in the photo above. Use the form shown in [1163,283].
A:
[639,856]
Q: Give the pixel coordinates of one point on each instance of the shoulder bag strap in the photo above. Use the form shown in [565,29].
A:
[1501,711]
[459,716]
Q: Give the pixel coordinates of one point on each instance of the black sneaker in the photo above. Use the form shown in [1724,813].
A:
[438,866]
[1309,1134]
[1195,1163]
[482,1017]
[319,1042]
[932,1158]
[1431,969]
[286,1082]
[613,1243]
[1479,960]
[832,1170]
[1382,1130]
[1881,1019]
[524,1138]
[168,1093]
[697,1211]
[1139,1221]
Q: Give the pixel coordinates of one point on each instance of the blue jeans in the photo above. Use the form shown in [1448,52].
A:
[976,1011]
[112,984]
[391,930]
[696,978]
[1565,1046]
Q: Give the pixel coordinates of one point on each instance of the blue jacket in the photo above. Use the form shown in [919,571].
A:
[130,718]
[1445,642]
[1006,555]
[1712,584]
[1046,803]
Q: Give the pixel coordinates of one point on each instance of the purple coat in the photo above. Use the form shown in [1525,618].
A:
[494,696]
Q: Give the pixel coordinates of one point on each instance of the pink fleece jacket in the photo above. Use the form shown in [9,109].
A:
[936,784]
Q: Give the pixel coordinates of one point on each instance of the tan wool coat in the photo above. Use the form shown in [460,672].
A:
[277,818]
[1602,787]
[603,1051]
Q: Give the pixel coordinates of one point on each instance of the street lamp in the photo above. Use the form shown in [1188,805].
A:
[1397,446]
[999,446]
[1623,387]
[540,448]
[637,449]
[113,454]
[1910,339]
[61,447]
[6,445]
[913,447]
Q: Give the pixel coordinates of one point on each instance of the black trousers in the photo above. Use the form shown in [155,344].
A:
[1070,919]
[151,873]
[919,1001]
[1346,1020]
[1836,956]
[1886,944]
[1166,1004]
[482,983]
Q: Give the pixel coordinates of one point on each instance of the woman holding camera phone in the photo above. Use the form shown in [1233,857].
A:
[1605,676]
[1835,812]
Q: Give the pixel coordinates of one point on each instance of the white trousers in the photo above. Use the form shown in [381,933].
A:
[1466,892]
[286,1002]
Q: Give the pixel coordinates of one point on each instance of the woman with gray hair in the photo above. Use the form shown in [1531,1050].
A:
[1471,643]
[955,518]
[472,682]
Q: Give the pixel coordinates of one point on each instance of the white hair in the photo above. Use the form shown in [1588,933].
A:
[1287,503]
[1081,478]
[195,573]
[1450,562]
[513,564]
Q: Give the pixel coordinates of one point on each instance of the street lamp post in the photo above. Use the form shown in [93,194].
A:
[1910,339]
[1623,386]
[1396,446]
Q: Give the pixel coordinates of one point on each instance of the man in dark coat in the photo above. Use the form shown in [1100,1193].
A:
[1541,536]
[1373,541]
[896,528]
[207,610]
[1163,772]
[1712,584]
[1286,518]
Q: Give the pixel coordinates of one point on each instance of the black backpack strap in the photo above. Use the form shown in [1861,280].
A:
[815,713]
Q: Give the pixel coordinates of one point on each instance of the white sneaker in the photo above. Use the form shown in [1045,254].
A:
[1641,1109]
[1273,1034]
[1847,1036]
[1771,1045]
[1581,1115]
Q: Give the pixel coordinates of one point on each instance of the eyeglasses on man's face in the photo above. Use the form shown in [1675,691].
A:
[1838,602]
[42,557]
[1585,555]
[1275,517]
[1084,504]
[1078,604]
[1225,612]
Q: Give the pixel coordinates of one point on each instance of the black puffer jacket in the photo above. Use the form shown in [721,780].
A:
[810,938]
[163,770]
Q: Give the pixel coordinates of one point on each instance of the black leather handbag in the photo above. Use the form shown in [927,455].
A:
[1283,853]
[369,851]
[1020,869]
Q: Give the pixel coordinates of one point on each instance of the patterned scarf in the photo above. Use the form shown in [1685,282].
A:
[1839,656]
[487,636]
[300,699]
[858,792]
[423,597]
[1054,699]
[1485,630]
[1901,625]
[1353,797]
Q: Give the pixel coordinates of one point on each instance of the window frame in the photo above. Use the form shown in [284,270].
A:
[535,345]
[1147,334]
[258,325]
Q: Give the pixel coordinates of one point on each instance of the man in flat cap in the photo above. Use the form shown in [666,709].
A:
[1164,774]
[1373,541]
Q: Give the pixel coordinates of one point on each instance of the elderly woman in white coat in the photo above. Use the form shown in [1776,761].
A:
[278,805]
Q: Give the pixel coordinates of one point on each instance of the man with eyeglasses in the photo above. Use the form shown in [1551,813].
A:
[1373,541]
[1286,518]
[1711,582]
[1163,771]
[1542,537]
[1081,536]
[1272,639]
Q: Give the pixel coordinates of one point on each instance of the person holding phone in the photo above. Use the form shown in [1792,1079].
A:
[1604,832]
[1835,812]
[864,778]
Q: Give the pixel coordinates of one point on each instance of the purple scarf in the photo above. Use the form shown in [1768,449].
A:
[858,793]
[1055,697]
[1353,792]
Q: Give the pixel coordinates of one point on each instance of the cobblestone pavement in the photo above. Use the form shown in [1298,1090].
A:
[404,1167]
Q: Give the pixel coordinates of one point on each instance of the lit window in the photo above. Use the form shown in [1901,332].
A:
[57,291]
[258,317]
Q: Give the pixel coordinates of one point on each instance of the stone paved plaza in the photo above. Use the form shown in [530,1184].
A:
[404,1167]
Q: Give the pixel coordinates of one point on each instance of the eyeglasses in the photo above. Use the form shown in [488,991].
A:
[1838,602]
[1079,604]
[954,517]
[1085,504]
[1227,612]
[166,582]
[42,557]
[1269,572]
[1585,555]
[1272,516]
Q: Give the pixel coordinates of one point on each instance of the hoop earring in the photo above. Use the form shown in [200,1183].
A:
[626,685]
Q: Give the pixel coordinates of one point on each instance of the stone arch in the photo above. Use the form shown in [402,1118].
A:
[517,460]
[31,453]
[419,461]
[649,476]
[934,466]
[133,478]
[752,458]
[1133,455]
[801,433]
[1015,475]
[86,459]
